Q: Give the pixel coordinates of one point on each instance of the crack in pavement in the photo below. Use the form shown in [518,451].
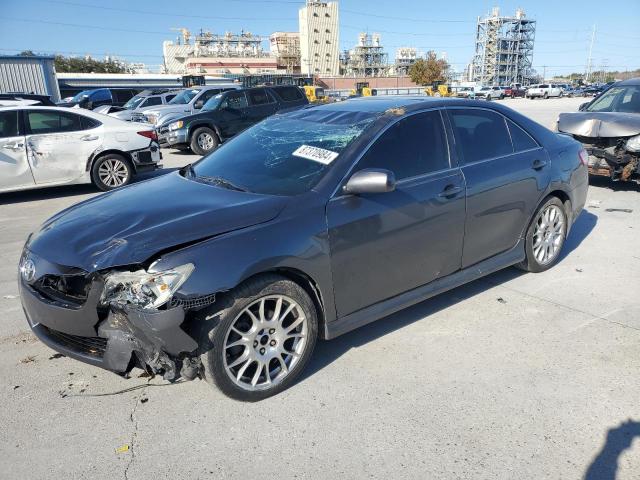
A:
[134,434]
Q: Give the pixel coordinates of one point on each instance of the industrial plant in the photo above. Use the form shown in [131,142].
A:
[504,49]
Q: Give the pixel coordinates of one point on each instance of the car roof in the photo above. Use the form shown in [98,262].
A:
[631,81]
[381,104]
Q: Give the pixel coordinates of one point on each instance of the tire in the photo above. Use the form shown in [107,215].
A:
[546,95]
[204,140]
[243,351]
[550,219]
[111,171]
[501,97]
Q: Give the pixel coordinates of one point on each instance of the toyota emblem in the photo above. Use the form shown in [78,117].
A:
[28,269]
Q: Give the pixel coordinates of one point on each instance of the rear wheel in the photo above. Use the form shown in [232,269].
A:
[111,171]
[204,140]
[546,95]
[545,236]
[265,336]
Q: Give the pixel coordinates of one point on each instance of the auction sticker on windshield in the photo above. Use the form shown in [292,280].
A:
[316,154]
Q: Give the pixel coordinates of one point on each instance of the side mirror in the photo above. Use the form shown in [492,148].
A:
[370,180]
[199,104]
[583,106]
[86,103]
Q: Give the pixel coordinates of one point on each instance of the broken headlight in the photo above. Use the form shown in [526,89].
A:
[633,144]
[144,289]
[175,125]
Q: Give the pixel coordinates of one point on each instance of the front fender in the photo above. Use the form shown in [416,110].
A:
[291,241]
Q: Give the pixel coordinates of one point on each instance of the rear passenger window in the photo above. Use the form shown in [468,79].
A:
[87,123]
[9,124]
[521,140]
[413,146]
[259,97]
[235,100]
[480,134]
[168,98]
[41,122]
[289,94]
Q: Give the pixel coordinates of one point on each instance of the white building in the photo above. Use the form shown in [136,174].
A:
[319,39]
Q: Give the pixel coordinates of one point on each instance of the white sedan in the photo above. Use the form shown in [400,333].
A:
[47,146]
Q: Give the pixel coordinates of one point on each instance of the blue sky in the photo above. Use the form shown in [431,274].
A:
[134,30]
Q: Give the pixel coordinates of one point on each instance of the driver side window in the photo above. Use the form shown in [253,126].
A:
[413,146]
[235,100]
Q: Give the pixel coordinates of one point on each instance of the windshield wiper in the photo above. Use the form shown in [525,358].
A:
[222,182]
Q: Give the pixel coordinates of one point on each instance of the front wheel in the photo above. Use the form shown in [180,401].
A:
[110,172]
[545,237]
[203,141]
[265,335]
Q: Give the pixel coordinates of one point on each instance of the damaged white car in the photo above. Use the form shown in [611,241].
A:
[47,146]
[609,129]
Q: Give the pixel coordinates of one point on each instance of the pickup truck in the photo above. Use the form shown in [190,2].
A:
[544,90]
[515,90]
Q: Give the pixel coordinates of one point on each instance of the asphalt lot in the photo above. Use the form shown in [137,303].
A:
[527,376]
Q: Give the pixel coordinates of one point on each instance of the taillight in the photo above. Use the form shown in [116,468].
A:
[149,134]
[584,156]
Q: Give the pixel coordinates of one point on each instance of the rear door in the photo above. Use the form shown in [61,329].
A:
[59,144]
[14,165]
[385,244]
[261,105]
[504,182]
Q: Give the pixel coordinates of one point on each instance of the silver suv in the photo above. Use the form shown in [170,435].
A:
[187,102]
[145,99]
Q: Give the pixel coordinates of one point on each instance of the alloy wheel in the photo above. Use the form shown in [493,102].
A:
[549,234]
[113,172]
[265,342]
[205,141]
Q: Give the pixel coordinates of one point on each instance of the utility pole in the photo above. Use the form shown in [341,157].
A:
[593,37]
[544,72]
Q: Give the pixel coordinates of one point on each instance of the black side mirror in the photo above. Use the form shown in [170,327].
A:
[370,180]
[583,106]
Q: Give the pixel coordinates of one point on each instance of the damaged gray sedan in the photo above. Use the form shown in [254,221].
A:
[307,225]
[609,129]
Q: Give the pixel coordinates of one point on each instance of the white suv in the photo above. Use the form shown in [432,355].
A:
[489,93]
[544,90]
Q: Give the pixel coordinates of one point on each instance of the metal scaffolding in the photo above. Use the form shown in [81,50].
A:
[504,49]
[367,59]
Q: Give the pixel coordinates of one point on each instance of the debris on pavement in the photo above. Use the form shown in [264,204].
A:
[28,359]
[623,210]
[122,449]
[10,297]
[501,300]
[56,355]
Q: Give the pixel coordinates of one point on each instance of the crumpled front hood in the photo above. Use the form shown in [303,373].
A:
[130,225]
[600,124]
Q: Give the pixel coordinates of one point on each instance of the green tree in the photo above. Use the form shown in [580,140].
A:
[429,70]
[87,65]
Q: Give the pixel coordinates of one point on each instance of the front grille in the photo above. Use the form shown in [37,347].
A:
[71,290]
[95,346]
[193,303]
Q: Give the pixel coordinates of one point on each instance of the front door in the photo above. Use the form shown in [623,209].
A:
[506,172]
[14,166]
[384,244]
[59,144]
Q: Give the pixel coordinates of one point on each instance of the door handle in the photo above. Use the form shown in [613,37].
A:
[538,164]
[450,191]
[89,138]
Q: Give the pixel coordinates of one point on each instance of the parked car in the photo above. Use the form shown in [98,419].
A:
[187,102]
[544,90]
[515,90]
[226,115]
[591,90]
[489,93]
[144,99]
[97,97]
[309,224]
[465,92]
[47,146]
[609,129]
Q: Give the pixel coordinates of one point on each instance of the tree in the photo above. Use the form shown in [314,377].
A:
[429,70]
[87,65]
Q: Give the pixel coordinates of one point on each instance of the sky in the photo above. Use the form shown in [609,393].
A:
[134,29]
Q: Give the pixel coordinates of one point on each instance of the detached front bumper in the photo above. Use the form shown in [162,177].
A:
[113,339]
[169,138]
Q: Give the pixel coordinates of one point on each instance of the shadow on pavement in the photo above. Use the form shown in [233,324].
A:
[327,352]
[605,464]
[606,182]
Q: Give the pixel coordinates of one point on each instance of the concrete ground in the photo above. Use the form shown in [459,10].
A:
[527,376]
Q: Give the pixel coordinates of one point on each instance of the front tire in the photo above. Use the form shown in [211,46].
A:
[203,140]
[264,337]
[111,171]
[545,236]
